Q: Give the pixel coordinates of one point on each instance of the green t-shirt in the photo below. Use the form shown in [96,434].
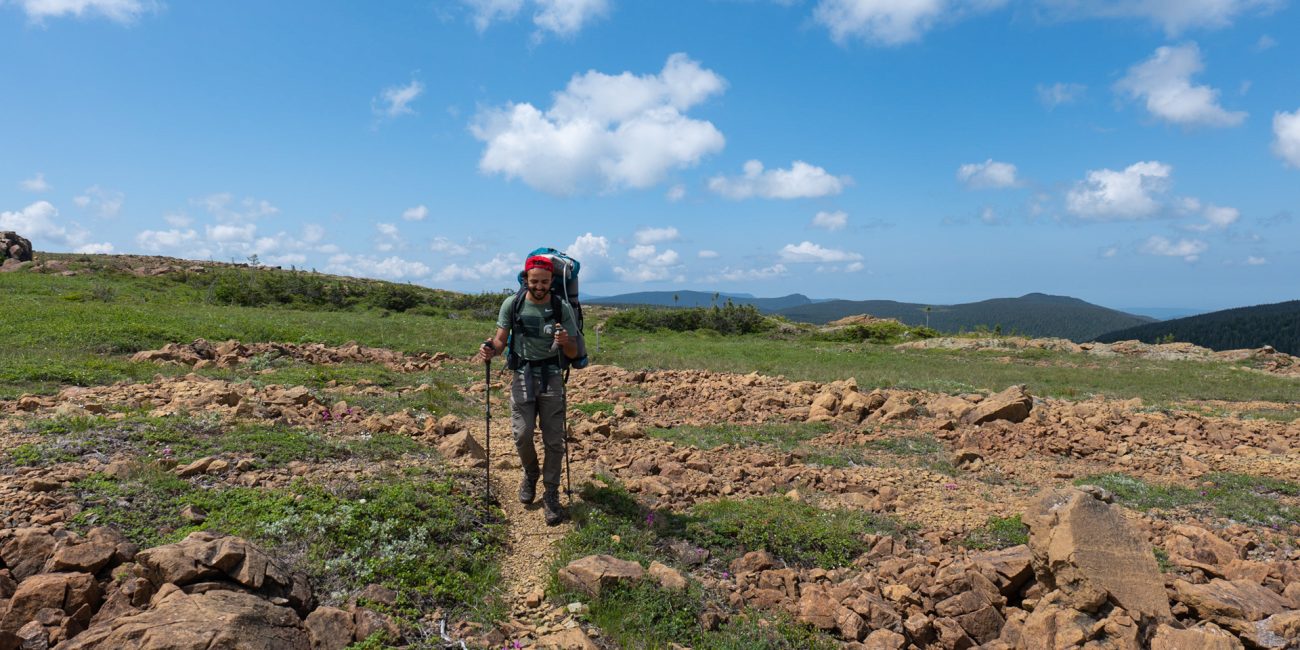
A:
[538,326]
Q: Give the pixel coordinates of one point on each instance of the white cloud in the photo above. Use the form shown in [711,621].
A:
[101,202]
[892,22]
[36,183]
[386,229]
[313,233]
[1265,42]
[1130,194]
[394,101]
[122,11]
[488,11]
[854,267]
[587,247]
[499,267]
[989,216]
[447,247]
[707,254]
[1175,16]
[389,268]
[1188,249]
[567,17]
[676,193]
[418,213]
[800,181]
[739,275]
[831,221]
[604,132]
[1256,261]
[288,259]
[223,233]
[1221,217]
[1163,82]
[648,254]
[102,248]
[989,174]
[657,235]
[1286,137]
[1059,94]
[648,265]
[224,207]
[161,240]
[810,252]
[178,219]
[37,222]
[1110,251]
[389,238]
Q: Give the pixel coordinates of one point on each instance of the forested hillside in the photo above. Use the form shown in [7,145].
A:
[1277,325]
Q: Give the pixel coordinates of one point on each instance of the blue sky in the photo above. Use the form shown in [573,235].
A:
[1143,153]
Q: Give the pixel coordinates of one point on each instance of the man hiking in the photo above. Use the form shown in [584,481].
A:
[540,335]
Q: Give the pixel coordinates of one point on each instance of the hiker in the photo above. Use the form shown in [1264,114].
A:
[537,391]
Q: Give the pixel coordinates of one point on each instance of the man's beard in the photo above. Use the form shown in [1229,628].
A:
[538,294]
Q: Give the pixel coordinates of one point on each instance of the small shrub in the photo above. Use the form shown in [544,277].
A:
[592,408]
[729,319]
[796,532]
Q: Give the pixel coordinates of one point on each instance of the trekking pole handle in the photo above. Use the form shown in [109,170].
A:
[555,343]
[487,345]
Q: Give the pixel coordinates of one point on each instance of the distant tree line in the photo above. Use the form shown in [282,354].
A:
[1277,325]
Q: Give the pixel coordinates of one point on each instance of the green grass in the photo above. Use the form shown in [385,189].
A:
[592,408]
[1251,500]
[998,533]
[784,435]
[609,520]
[1046,373]
[186,439]
[344,536]
[796,532]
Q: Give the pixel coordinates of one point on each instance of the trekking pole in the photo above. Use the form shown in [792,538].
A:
[568,470]
[487,417]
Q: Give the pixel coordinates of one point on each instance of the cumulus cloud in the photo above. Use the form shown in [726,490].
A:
[39,223]
[568,17]
[418,213]
[648,264]
[560,17]
[156,241]
[1256,261]
[604,132]
[1175,16]
[707,254]
[802,180]
[657,235]
[1265,42]
[676,193]
[989,174]
[224,233]
[225,208]
[892,22]
[500,267]
[1221,217]
[831,221]
[1059,94]
[447,247]
[101,202]
[36,183]
[588,246]
[122,11]
[1163,83]
[395,101]
[1188,249]
[1286,137]
[810,252]
[1106,194]
[729,274]
[388,268]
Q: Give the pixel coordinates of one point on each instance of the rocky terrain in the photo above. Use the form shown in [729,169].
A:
[1087,577]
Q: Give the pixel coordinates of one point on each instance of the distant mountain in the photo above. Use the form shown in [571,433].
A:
[1277,325]
[701,299]
[1034,314]
[1162,313]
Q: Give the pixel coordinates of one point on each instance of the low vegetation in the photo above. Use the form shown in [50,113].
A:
[1251,500]
[782,435]
[998,533]
[728,319]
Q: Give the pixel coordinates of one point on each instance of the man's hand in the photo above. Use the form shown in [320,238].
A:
[486,351]
[561,337]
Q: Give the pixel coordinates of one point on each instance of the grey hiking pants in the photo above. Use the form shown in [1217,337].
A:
[548,409]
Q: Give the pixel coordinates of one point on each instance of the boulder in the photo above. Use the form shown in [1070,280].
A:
[462,445]
[204,556]
[1012,404]
[594,573]
[329,628]
[1087,549]
[26,553]
[231,620]
[667,577]
[13,246]
[570,639]
[1206,636]
[1232,604]
[70,593]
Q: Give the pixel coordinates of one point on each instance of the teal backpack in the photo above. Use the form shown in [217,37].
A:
[564,289]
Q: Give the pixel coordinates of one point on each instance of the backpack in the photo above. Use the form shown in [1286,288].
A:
[564,289]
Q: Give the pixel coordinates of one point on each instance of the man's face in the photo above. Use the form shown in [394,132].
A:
[539,283]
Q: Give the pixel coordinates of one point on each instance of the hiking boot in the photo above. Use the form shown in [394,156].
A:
[527,489]
[551,507]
